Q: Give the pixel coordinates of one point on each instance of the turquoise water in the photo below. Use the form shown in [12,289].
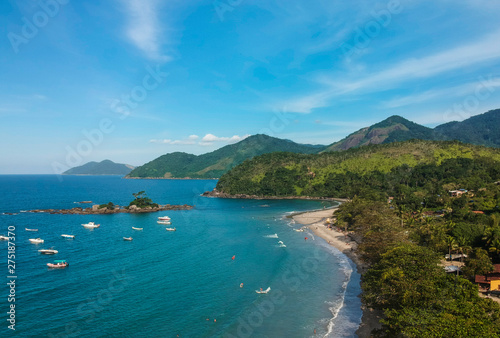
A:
[164,284]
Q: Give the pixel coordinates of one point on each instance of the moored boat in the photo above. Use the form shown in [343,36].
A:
[164,222]
[164,218]
[59,264]
[127,238]
[30,229]
[137,228]
[68,236]
[4,238]
[91,225]
[263,291]
[170,229]
[36,240]
[48,251]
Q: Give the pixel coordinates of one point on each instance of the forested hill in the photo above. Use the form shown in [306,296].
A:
[392,129]
[366,170]
[216,163]
[480,130]
[105,167]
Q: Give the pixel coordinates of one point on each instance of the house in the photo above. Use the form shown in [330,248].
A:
[457,193]
[491,280]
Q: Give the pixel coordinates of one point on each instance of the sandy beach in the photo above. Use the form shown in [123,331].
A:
[314,220]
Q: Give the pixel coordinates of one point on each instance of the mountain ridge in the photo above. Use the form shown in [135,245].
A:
[105,167]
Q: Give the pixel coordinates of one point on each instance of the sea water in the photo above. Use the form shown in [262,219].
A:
[198,281]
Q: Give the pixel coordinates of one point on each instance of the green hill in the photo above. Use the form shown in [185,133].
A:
[346,173]
[392,129]
[216,163]
[105,167]
[481,129]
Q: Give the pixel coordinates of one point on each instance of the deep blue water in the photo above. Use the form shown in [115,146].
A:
[164,284]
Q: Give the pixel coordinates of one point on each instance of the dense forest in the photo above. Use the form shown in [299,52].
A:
[411,204]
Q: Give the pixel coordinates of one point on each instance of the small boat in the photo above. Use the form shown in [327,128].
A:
[36,240]
[170,229]
[68,236]
[30,229]
[263,291]
[299,230]
[58,264]
[164,222]
[4,238]
[164,218]
[137,228]
[48,251]
[127,238]
[91,225]
[281,244]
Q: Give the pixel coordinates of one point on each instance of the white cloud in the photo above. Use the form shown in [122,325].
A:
[209,139]
[144,29]
[189,141]
[482,50]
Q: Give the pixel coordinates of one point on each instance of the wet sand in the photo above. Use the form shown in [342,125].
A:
[314,220]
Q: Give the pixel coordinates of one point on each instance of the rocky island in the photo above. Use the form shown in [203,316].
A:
[141,204]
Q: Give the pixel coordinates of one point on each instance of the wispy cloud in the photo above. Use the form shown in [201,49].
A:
[209,139]
[190,140]
[461,57]
[144,29]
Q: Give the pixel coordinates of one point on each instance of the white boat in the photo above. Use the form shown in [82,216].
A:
[164,218]
[170,229]
[281,244]
[299,230]
[36,240]
[263,291]
[68,236]
[58,264]
[30,229]
[4,238]
[91,225]
[48,251]
[164,222]
[137,228]
[127,238]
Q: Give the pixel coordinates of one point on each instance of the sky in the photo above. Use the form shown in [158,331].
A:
[131,80]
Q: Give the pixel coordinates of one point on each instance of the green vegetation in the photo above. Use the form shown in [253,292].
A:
[216,163]
[142,201]
[480,129]
[405,218]
[375,171]
[105,167]
[109,206]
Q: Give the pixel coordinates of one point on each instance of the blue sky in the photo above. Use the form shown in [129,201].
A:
[130,80]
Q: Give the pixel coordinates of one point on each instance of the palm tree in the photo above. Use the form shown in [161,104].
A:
[452,244]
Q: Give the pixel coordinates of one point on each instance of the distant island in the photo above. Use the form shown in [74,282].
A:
[105,167]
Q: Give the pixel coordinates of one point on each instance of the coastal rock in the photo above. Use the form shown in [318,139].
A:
[220,194]
[116,210]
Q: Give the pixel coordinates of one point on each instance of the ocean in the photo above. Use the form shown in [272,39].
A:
[198,281]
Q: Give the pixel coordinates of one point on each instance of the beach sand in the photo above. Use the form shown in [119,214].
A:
[314,220]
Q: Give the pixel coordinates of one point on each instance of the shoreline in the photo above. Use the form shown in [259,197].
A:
[314,220]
